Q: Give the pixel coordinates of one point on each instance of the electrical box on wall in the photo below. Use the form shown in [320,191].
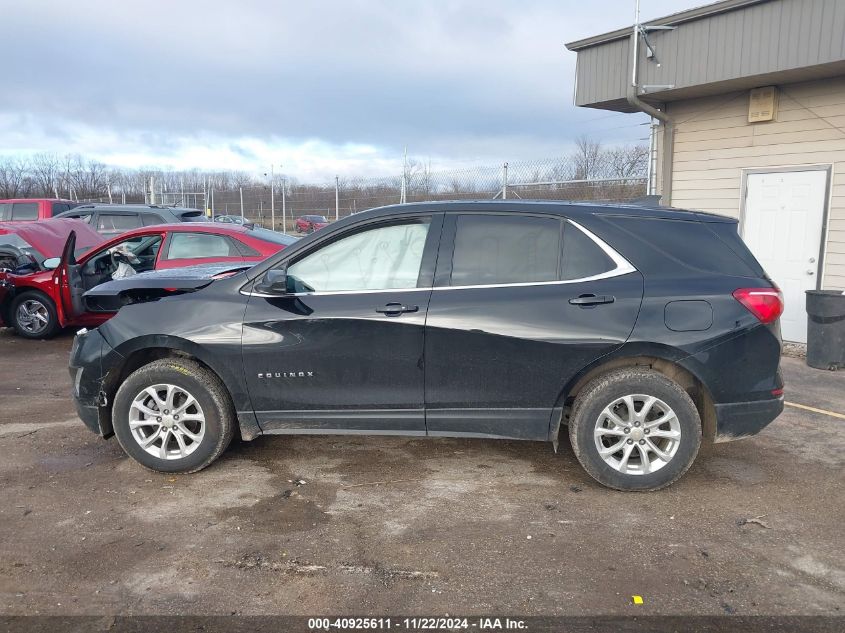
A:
[762,104]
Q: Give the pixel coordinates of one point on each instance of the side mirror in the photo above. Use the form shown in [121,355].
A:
[274,282]
[52,263]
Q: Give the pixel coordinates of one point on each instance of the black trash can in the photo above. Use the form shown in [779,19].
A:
[825,329]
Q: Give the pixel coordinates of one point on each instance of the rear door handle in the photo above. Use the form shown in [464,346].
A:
[591,300]
[395,309]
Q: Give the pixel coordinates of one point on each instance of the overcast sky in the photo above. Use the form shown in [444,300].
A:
[318,86]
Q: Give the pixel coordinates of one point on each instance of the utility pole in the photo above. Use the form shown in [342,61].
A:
[152,190]
[403,196]
[504,181]
[284,211]
[242,202]
[336,198]
[272,199]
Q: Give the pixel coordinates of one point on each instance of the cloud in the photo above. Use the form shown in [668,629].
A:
[319,85]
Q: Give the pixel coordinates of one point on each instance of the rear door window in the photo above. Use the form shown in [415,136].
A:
[111,222]
[200,245]
[582,257]
[25,211]
[500,249]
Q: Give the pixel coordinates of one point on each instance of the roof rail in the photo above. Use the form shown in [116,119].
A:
[647,201]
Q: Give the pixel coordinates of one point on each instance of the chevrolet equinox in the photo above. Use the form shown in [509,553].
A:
[643,330]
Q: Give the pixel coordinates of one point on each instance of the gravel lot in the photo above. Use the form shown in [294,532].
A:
[387,525]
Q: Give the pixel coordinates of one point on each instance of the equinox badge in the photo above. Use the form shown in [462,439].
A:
[287,374]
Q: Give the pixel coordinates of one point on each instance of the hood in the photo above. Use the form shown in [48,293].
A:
[155,285]
[187,278]
[47,237]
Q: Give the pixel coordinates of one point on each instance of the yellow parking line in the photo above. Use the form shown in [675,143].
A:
[814,410]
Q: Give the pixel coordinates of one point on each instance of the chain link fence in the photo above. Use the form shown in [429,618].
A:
[590,172]
[607,177]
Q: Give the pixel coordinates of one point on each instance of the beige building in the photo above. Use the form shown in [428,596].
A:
[749,101]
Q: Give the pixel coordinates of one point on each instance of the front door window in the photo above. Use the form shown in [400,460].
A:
[383,258]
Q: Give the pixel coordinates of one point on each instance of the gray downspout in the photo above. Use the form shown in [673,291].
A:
[668,125]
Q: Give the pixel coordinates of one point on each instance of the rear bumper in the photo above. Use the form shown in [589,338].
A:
[738,420]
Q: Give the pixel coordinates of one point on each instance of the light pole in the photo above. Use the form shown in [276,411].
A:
[273,197]
[272,200]
[284,213]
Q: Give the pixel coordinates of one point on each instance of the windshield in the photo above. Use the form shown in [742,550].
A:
[272,236]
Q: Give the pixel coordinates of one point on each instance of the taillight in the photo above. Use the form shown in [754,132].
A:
[764,303]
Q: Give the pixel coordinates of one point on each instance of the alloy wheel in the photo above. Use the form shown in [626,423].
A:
[33,316]
[167,421]
[637,434]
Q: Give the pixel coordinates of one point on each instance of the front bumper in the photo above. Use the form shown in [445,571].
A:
[86,374]
[738,420]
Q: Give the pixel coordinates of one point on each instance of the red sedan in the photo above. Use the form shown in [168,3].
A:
[39,304]
[310,223]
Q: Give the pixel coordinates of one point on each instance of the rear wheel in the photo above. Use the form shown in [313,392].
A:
[33,315]
[635,429]
[173,416]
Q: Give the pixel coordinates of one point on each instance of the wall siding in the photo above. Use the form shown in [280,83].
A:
[753,40]
[714,143]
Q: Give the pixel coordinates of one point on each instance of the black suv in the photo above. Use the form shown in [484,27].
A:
[113,219]
[642,330]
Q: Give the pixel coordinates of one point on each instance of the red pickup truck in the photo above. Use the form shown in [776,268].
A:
[29,209]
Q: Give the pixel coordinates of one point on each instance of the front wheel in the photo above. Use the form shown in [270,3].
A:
[173,416]
[635,429]
[33,315]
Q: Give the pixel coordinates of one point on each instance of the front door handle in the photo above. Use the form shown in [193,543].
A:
[591,300]
[395,309]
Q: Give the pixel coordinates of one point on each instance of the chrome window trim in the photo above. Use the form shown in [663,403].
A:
[623,267]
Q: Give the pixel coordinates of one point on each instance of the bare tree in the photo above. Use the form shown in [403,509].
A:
[627,161]
[586,157]
[15,179]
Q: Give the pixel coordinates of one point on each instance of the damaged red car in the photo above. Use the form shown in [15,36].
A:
[47,266]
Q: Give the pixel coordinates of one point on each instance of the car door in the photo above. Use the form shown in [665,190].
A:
[343,351]
[138,253]
[521,304]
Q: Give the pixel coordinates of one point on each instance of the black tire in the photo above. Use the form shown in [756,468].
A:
[204,386]
[608,388]
[48,330]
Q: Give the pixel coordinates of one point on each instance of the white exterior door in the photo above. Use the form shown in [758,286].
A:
[782,225]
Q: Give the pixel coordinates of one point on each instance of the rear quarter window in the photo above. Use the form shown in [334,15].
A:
[245,250]
[5,211]
[151,219]
[690,244]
